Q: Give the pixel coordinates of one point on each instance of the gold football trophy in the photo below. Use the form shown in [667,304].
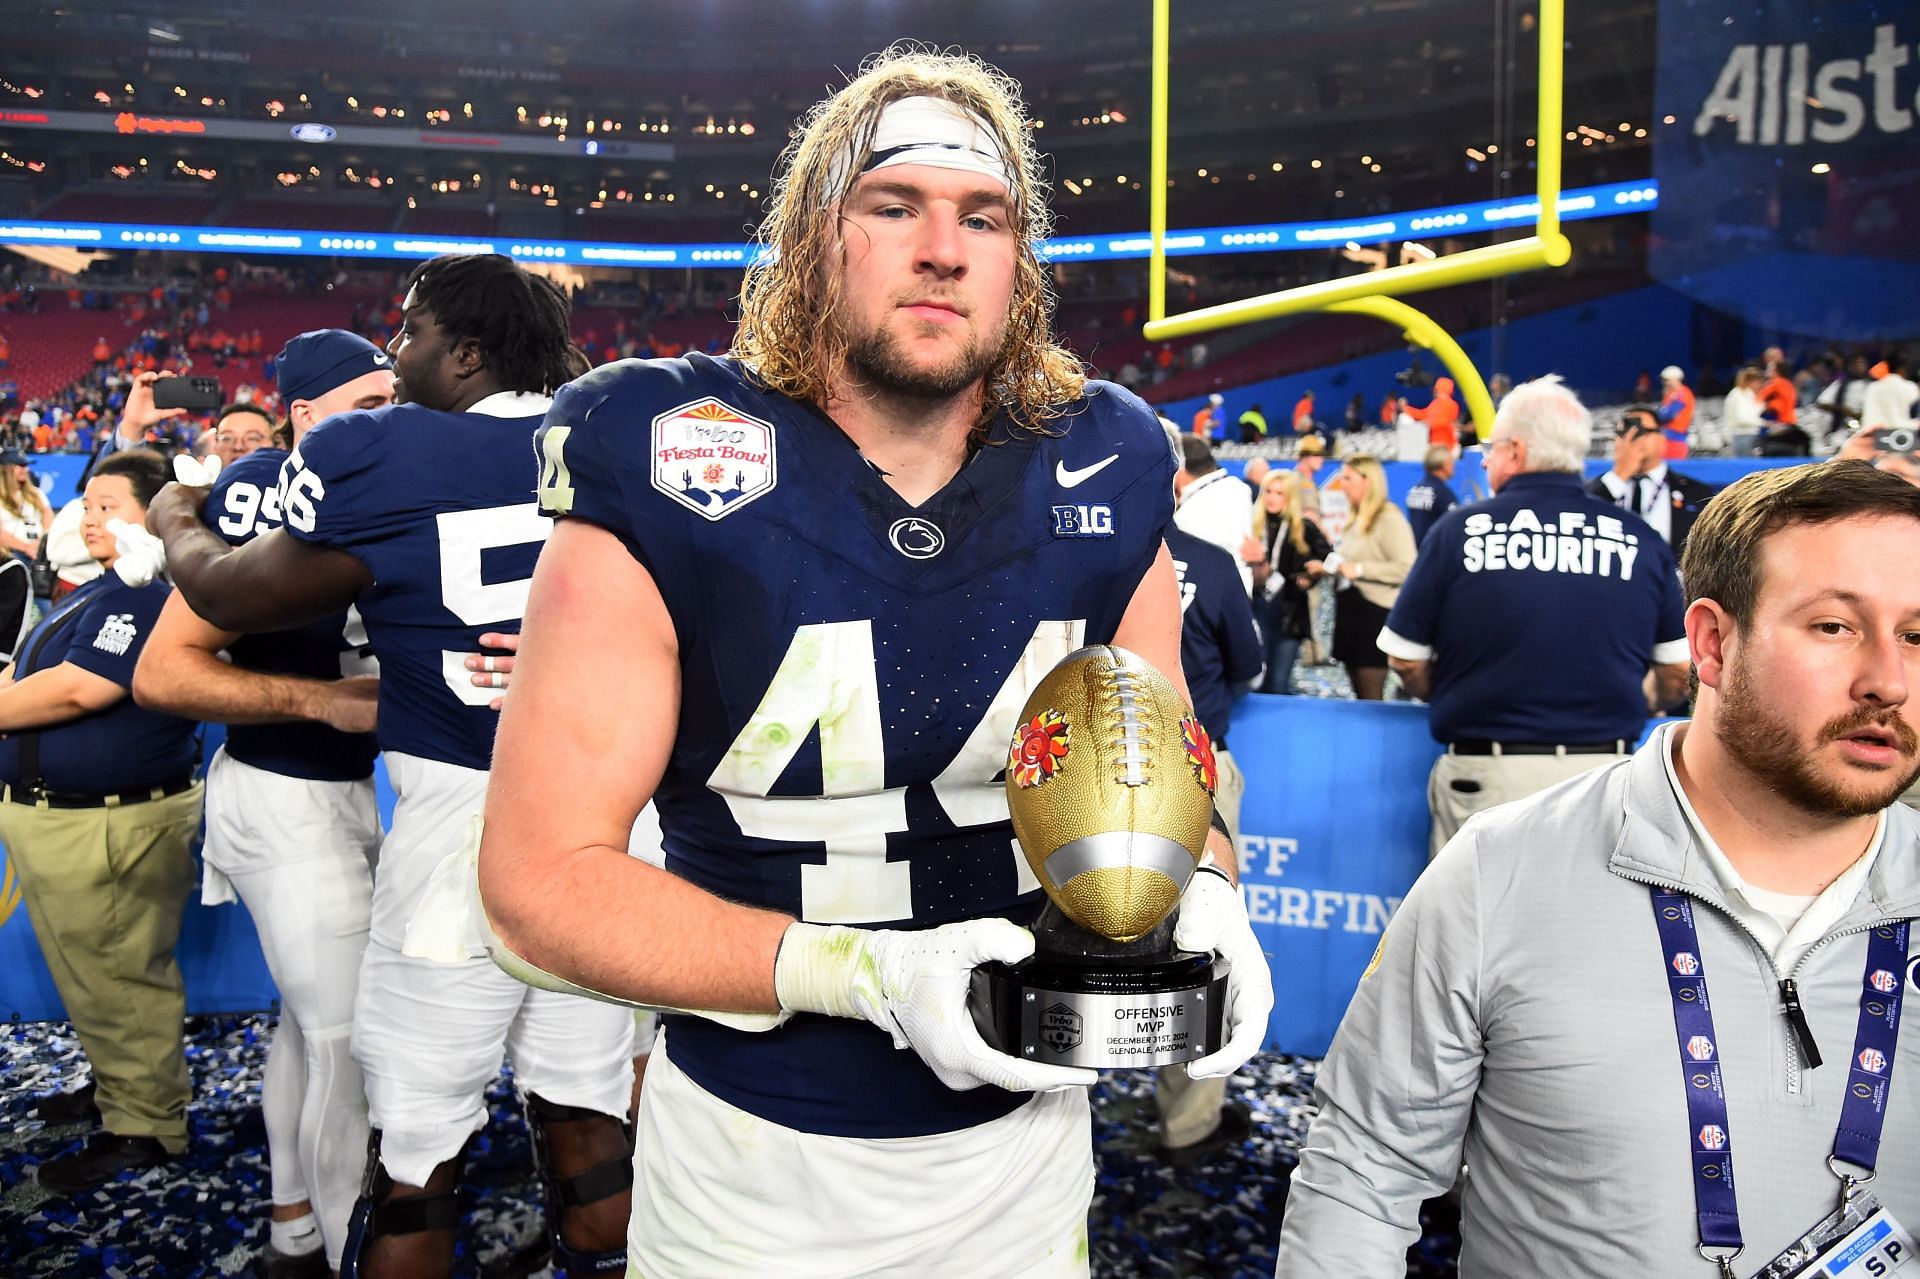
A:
[1110,782]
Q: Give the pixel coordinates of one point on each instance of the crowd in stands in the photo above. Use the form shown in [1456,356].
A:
[1775,404]
[189,324]
[1326,551]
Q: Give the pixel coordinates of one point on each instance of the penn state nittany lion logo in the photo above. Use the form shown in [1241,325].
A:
[916,538]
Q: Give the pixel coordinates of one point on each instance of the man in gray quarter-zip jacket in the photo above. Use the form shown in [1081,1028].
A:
[1519,1013]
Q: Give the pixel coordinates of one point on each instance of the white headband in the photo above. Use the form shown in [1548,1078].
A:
[926,131]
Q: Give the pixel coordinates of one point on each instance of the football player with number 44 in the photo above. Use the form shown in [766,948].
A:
[798,597]
[421,515]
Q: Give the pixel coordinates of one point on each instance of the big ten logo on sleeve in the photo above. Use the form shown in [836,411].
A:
[1091,520]
[1561,542]
[711,458]
[1266,857]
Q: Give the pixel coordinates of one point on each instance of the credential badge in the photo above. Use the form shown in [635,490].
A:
[712,458]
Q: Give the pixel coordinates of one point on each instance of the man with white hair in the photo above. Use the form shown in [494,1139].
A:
[1530,619]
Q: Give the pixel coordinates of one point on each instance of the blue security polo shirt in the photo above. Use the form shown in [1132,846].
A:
[1541,609]
[1426,502]
[101,628]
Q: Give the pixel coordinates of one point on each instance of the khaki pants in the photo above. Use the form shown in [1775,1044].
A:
[105,888]
[1462,785]
[1189,1108]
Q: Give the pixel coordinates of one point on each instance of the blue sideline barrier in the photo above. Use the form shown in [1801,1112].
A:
[1334,829]
[58,475]
[219,951]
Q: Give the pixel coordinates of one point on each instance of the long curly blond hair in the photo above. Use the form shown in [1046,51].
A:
[786,335]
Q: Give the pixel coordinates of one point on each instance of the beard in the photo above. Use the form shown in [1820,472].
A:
[1768,748]
[876,360]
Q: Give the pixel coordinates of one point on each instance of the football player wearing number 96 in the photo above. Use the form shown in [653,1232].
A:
[292,822]
[797,596]
[420,514]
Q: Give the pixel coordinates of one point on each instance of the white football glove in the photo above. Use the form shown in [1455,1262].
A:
[1213,920]
[142,555]
[196,473]
[913,985]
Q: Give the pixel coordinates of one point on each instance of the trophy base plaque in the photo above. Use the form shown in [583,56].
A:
[1083,1000]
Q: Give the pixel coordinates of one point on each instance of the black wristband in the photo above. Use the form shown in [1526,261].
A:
[1219,823]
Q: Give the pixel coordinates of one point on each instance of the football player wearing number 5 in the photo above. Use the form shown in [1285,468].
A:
[421,514]
[798,597]
[292,823]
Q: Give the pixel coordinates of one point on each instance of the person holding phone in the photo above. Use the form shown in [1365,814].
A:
[140,416]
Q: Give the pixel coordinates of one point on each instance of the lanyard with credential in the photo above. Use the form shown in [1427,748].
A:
[1710,1143]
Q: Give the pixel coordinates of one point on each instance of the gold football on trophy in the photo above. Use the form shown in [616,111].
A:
[1110,781]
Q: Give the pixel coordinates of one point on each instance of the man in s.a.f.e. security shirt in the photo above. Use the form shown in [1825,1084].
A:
[1531,619]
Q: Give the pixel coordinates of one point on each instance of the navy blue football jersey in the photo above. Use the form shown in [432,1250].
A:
[439,506]
[244,503]
[852,671]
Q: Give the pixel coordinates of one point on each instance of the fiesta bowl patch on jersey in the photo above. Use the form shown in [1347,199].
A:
[711,458]
[1108,784]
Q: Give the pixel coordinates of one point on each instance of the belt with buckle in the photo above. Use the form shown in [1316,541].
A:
[1481,746]
[39,797]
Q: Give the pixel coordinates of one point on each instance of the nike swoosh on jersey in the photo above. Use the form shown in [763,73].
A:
[1072,479]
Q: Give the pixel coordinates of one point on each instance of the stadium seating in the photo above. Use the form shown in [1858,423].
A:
[54,348]
[165,208]
[306,213]
[448,220]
